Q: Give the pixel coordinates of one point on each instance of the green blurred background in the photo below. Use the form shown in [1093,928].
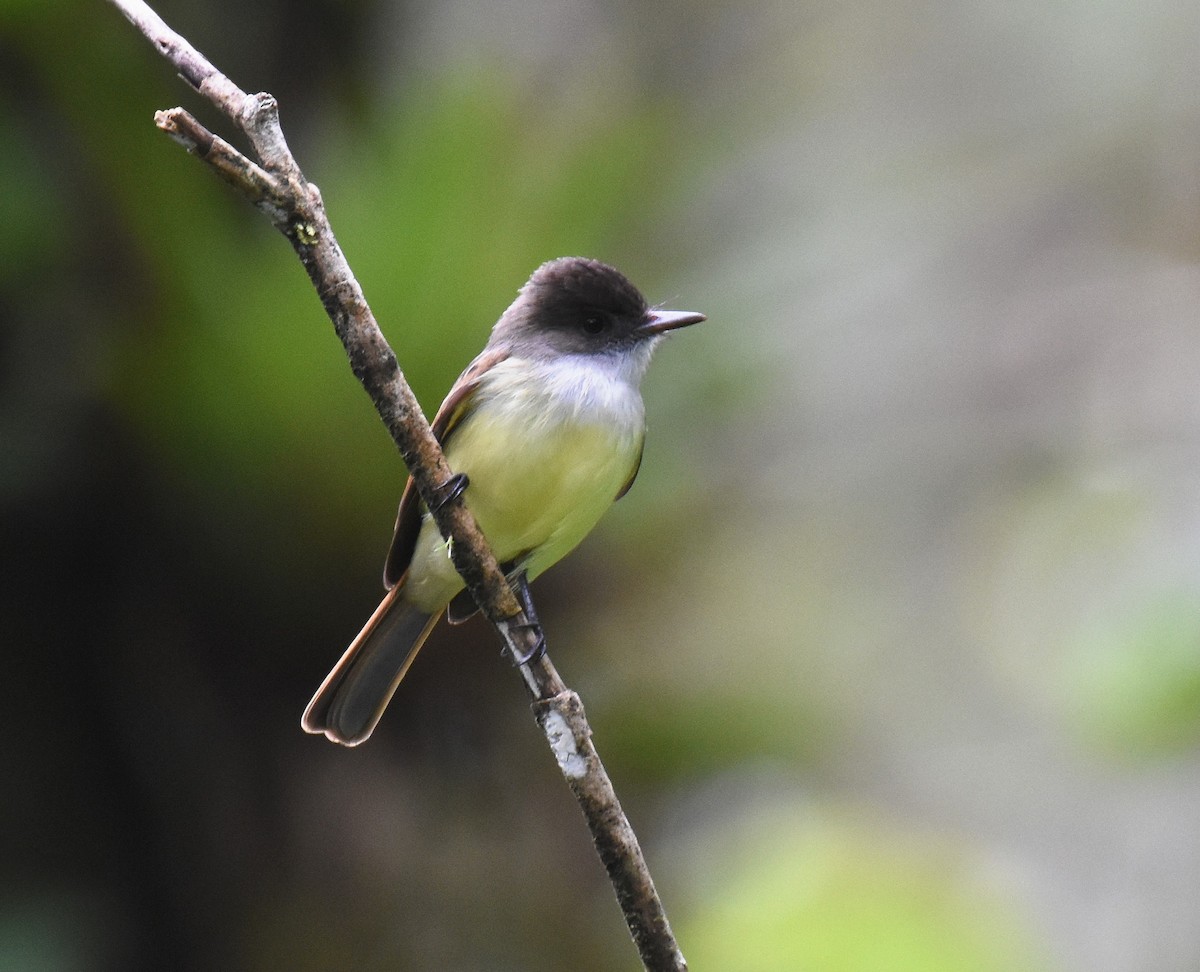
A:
[893,652]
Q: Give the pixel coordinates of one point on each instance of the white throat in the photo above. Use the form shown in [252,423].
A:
[583,388]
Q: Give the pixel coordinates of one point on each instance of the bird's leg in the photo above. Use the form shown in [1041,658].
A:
[520,585]
[450,490]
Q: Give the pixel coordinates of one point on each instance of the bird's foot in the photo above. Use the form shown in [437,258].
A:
[450,490]
[538,649]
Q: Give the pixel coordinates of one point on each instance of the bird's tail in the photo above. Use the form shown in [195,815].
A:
[353,696]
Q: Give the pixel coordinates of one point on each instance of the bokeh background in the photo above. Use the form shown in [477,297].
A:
[894,650]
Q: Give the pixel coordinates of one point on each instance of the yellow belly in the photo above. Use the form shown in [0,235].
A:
[536,491]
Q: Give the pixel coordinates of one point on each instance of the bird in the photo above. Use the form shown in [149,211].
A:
[544,431]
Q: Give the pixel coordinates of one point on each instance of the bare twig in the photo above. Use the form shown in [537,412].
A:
[277,186]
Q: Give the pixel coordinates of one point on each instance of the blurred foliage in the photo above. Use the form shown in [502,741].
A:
[658,737]
[834,892]
[1136,680]
[1120,663]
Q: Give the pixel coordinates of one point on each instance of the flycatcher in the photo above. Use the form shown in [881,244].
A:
[544,431]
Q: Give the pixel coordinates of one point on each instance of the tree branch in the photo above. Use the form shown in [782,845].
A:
[277,187]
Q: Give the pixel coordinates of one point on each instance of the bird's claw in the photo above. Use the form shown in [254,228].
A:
[451,490]
[536,652]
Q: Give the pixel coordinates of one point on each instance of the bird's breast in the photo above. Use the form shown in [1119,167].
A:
[547,451]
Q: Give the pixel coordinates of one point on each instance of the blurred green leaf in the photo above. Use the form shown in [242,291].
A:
[792,893]
[1098,623]
[1137,684]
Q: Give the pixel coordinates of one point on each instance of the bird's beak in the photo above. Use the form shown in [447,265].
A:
[661,321]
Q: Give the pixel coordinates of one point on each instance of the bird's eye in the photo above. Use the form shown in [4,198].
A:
[595,323]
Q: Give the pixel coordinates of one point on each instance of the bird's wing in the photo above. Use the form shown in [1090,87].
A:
[408,518]
[637,465]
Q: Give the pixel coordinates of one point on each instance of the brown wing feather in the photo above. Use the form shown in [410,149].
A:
[408,517]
